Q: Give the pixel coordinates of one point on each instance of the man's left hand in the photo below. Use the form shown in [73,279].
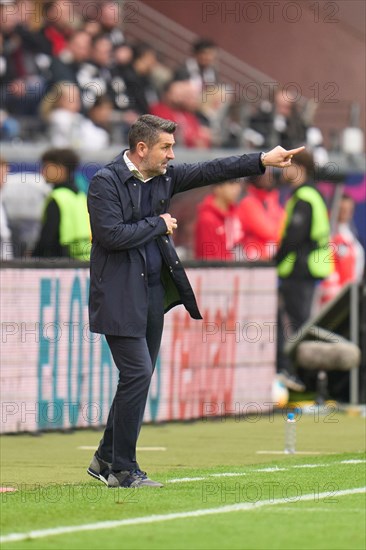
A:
[280,157]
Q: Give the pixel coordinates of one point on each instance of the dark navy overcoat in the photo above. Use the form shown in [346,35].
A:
[118,281]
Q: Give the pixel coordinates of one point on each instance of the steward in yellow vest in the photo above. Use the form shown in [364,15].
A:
[304,250]
[303,258]
[65,229]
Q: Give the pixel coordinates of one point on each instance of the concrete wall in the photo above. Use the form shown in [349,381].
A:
[318,45]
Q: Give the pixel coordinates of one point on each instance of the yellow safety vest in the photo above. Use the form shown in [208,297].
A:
[74,222]
[319,261]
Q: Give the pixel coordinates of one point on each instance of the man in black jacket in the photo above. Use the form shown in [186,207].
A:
[136,274]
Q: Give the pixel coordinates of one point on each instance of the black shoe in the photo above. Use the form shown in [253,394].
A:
[133,479]
[99,468]
[291,381]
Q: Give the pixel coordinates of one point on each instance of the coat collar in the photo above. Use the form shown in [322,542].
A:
[125,173]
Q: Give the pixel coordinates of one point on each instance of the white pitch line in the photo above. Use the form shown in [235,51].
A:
[183,479]
[275,469]
[242,507]
[309,465]
[202,478]
[261,470]
[228,474]
[353,461]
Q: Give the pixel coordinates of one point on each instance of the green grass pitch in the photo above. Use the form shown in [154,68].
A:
[227,486]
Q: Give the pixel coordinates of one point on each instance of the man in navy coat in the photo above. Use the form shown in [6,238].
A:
[136,275]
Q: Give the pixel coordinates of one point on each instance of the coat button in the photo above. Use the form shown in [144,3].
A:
[166,240]
[142,274]
[176,261]
[134,184]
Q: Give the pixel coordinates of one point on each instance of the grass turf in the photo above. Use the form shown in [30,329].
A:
[54,490]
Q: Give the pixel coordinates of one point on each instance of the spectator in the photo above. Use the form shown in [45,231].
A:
[262,217]
[65,231]
[92,27]
[60,109]
[6,245]
[218,228]
[22,65]
[200,68]
[23,197]
[57,28]
[280,122]
[136,76]
[348,253]
[67,127]
[109,19]
[123,56]
[303,257]
[95,76]
[100,116]
[180,101]
[68,65]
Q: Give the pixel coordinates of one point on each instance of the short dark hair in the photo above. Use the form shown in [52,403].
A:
[99,37]
[139,50]
[203,44]
[347,197]
[148,128]
[62,157]
[306,160]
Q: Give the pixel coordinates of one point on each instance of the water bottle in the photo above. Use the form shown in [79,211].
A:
[290,434]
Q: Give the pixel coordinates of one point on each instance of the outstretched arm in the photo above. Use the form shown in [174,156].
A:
[190,176]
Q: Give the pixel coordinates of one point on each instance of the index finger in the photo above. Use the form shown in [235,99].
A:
[295,151]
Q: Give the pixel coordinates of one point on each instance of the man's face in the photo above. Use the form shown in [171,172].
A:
[294,174]
[80,47]
[155,158]
[54,173]
[206,57]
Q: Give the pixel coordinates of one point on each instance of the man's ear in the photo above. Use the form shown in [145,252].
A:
[141,149]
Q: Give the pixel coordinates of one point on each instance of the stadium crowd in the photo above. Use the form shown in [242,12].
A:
[77,82]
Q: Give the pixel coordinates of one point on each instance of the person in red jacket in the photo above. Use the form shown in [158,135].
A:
[218,228]
[348,254]
[262,217]
[180,104]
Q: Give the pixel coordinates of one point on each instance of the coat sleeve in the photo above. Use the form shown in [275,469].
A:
[190,176]
[106,220]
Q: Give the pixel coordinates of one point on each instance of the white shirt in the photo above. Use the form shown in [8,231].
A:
[132,168]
